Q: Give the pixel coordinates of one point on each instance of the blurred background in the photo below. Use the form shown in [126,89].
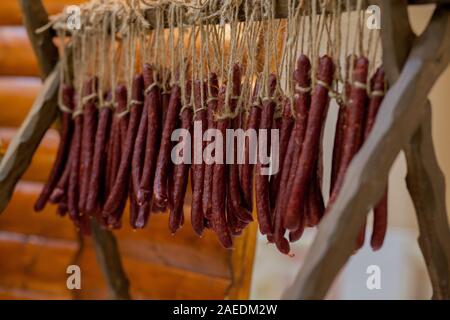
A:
[36,249]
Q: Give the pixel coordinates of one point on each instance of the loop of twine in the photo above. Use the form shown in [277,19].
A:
[150,87]
[88,98]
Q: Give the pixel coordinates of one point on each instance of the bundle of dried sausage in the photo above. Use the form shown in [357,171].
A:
[116,200]
[163,165]
[96,194]
[302,102]
[236,207]
[305,165]
[181,170]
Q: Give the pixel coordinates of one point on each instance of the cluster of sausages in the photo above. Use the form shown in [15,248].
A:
[120,152]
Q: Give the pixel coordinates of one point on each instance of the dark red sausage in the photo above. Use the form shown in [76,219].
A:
[181,170]
[381,210]
[219,184]
[287,123]
[234,188]
[261,180]
[112,142]
[137,163]
[198,169]
[95,194]
[212,107]
[115,203]
[163,164]
[340,125]
[74,179]
[302,100]
[154,119]
[63,149]
[247,168]
[60,190]
[90,118]
[316,207]
[353,131]
[308,156]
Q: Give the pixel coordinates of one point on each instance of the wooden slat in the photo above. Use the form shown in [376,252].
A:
[154,244]
[16,56]
[10,10]
[43,159]
[40,267]
[16,98]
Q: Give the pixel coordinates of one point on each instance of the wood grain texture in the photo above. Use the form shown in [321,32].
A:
[16,98]
[40,267]
[154,244]
[400,116]
[425,180]
[16,54]
[242,258]
[158,264]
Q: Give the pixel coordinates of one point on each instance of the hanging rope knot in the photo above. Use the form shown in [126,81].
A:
[377,93]
[268,99]
[210,99]
[323,84]
[123,114]
[301,89]
[359,85]
[108,104]
[136,103]
[77,113]
[199,109]
[150,87]
[333,94]
[187,106]
[88,98]
[64,108]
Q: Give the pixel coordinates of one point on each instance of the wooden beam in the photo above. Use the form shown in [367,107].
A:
[400,115]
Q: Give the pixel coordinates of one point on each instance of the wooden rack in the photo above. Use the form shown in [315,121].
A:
[412,65]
